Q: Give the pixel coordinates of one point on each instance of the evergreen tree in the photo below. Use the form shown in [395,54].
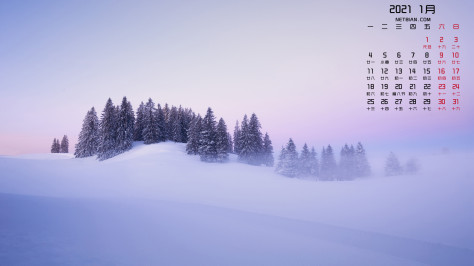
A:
[251,144]
[361,164]
[256,146]
[222,144]
[267,151]
[392,165]
[89,137]
[288,164]
[166,112]
[58,146]
[244,140]
[176,124]
[64,147]
[281,160]
[304,162]
[237,138]
[194,136]
[138,128]
[208,140]
[188,116]
[55,147]
[126,120]
[150,125]
[314,164]
[160,123]
[328,164]
[346,164]
[230,144]
[107,132]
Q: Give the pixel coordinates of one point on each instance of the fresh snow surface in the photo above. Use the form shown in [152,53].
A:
[155,205]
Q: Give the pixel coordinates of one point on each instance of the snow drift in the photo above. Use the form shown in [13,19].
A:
[156,205]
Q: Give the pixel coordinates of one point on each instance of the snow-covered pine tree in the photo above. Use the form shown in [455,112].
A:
[160,123]
[208,141]
[107,132]
[237,137]
[194,136]
[392,165]
[328,168]
[89,136]
[322,168]
[55,147]
[314,169]
[256,154]
[345,170]
[267,151]
[150,126]
[230,144]
[166,113]
[244,140]
[64,146]
[126,121]
[58,146]
[288,164]
[222,144]
[361,164]
[176,124]
[138,128]
[188,116]
[281,160]
[304,162]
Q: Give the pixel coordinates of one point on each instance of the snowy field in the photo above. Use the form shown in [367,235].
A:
[155,205]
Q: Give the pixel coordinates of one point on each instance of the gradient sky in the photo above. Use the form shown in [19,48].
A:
[299,65]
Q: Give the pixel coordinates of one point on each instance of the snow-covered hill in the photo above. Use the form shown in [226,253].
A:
[157,205]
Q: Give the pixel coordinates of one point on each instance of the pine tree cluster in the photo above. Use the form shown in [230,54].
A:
[250,145]
[115,132]
[393,166]
[157,124]
[208,139]
[353,163]
[62,147]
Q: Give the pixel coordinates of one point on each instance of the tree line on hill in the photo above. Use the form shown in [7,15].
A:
[213,142]
[118,127]
[62,147]
[353,163]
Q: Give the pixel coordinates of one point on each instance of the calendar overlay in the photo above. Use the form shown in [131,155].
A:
[423,76]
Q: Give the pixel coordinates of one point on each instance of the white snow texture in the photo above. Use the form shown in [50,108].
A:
[155,205]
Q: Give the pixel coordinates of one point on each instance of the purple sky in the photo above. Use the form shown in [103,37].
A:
[299,65]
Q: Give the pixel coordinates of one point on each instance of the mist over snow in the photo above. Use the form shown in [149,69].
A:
[156,205]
